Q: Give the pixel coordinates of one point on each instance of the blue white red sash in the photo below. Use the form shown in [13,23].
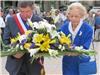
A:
[20,23]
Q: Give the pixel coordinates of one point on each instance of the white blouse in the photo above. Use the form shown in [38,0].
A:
[74,33]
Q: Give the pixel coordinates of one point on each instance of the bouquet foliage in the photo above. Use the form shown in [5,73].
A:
[43,40]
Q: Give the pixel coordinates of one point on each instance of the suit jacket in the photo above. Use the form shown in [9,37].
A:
[13,65]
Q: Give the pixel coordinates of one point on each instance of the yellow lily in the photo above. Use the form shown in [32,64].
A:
[28,32]
[45,46]
[13,40]
[27,45]
[38,38]
[65,40]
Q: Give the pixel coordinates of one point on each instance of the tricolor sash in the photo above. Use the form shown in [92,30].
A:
[20,23]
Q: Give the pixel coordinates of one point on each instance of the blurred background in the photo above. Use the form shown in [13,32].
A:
[45,8]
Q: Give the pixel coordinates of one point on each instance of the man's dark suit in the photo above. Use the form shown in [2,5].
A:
[19,66]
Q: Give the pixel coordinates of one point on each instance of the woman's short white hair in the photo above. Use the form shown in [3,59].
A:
[79,6]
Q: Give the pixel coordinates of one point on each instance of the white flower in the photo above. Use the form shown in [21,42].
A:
[42,25]
[63,48]
[50,28]
[21,47]
[53,52]
[32,25]
[17,45]
[34,36]
[22,37]
[54,34]
[60,46]
[59,34]
[33,51]
[35,25]
[9,49]
[78,48]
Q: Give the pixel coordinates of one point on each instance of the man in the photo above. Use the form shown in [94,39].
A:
[11,12]
[19,64]
[2,23]
[97,26]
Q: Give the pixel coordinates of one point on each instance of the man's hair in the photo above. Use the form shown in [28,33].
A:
[24,4]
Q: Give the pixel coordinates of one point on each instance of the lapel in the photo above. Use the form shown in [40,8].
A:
[77,33]
[78,37]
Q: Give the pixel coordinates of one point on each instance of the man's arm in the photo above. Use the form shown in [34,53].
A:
[7,36]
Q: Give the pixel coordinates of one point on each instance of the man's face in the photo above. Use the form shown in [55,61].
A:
[26,12]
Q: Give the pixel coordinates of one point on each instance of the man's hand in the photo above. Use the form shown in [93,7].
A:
[18,55]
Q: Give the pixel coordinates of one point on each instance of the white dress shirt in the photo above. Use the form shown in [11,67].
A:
[2,23]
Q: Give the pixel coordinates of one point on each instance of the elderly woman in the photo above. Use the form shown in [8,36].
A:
[81,35]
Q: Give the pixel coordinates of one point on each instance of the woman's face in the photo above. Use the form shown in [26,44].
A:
[26,12]
[74,16]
